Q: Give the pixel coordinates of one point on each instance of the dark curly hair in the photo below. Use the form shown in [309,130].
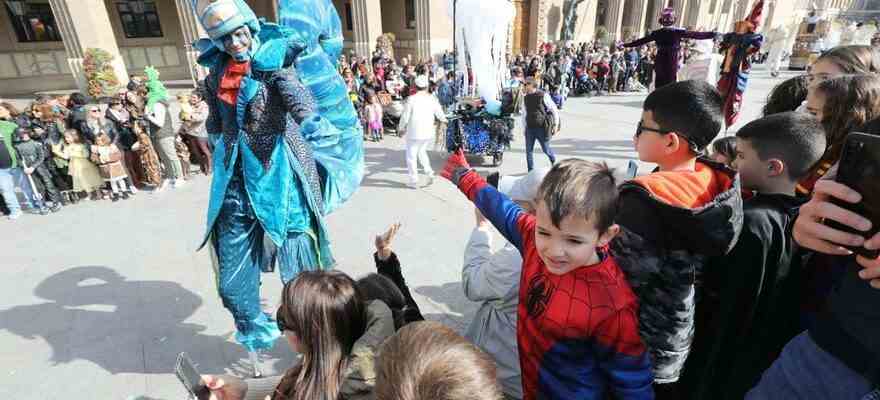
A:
[787,96]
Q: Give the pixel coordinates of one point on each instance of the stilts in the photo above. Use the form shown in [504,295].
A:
[255,363]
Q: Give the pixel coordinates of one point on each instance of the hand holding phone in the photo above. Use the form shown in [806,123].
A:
[858,169]
[190,378]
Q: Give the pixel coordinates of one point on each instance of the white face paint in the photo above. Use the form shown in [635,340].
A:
[238,43]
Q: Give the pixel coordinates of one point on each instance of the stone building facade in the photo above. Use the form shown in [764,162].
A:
[42,42]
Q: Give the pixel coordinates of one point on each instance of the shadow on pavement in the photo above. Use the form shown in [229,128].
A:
[95,314]
[457,311]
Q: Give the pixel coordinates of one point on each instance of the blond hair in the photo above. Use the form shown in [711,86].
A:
[426,360]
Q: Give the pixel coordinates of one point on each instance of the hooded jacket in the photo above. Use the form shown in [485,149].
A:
[360,375]
[749,306]
[671,224]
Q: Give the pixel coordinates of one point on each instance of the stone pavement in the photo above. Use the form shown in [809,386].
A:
[96,301]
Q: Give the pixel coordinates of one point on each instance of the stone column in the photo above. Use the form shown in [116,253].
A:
[423,29]
[192,32]
[680,7]
[366,18]
[639,13]
[85,24]
[614,18]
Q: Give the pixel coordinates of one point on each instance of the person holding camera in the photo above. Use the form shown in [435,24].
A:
[839,357]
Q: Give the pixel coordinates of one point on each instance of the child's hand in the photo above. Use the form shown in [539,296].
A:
[454,163]
[383,242]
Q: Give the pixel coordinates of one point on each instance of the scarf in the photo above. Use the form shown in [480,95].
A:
[230,83]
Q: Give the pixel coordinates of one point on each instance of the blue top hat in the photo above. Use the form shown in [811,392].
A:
[222,17]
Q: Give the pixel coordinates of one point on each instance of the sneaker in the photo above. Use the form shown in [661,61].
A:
[55,208]
[162,186]
[431,179]
[15,215]
[178,183]
[114,197]
[413,186]
[44,211]
[133,190]
[125,196]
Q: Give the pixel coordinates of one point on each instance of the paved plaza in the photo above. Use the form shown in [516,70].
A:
[97,300]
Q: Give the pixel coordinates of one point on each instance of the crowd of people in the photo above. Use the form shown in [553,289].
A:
[712,277]
[62,149]
[715,276]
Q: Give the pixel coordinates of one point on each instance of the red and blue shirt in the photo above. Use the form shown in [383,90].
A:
[578,333]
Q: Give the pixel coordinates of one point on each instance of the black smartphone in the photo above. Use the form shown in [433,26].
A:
[191,378]
[860,170]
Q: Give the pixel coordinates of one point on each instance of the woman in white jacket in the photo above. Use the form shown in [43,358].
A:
[422,110]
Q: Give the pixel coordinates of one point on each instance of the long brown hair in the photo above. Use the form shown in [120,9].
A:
[853,59]
[326,312]
[850,102]
[427,360]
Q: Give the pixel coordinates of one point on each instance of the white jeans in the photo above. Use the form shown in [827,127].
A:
[417,151]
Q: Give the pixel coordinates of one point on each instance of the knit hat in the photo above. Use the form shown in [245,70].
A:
[667,16]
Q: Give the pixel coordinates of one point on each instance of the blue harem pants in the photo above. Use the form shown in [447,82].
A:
[242,253]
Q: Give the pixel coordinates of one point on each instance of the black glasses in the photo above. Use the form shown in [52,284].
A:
[640,128]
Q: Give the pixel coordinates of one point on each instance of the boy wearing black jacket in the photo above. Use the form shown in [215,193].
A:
[674,220]
[749,302]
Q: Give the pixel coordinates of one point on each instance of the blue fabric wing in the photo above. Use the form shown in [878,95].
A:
[313,28]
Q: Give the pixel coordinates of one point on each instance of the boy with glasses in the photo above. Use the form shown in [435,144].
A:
[674,219]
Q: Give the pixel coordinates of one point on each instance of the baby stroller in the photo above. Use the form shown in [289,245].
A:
[392,110]
[585,85]
[479,133]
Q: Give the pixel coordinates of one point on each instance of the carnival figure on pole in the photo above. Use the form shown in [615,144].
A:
[737,47]
[668,40]
[288,149]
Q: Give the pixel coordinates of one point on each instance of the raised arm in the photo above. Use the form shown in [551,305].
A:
[487,276]
[699,35]
[641,42]
[510,220]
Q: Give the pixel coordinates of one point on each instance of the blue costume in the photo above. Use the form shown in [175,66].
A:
[288,149]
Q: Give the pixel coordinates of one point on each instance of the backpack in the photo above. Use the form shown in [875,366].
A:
[445,94]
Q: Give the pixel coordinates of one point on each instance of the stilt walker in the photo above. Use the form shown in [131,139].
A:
[288,149]
[668,40]
[737,47]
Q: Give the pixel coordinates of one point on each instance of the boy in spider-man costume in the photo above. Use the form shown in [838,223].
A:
[577,327]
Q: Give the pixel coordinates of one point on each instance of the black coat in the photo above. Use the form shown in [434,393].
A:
[749,305]
[662,249]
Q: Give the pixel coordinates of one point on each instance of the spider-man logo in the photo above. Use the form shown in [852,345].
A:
[540,290]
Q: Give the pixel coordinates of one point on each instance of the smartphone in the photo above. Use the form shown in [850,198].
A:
[191,378]
[632,170]
[859,169]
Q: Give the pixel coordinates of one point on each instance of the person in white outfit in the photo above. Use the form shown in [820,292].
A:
[422,110]
[493,279]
